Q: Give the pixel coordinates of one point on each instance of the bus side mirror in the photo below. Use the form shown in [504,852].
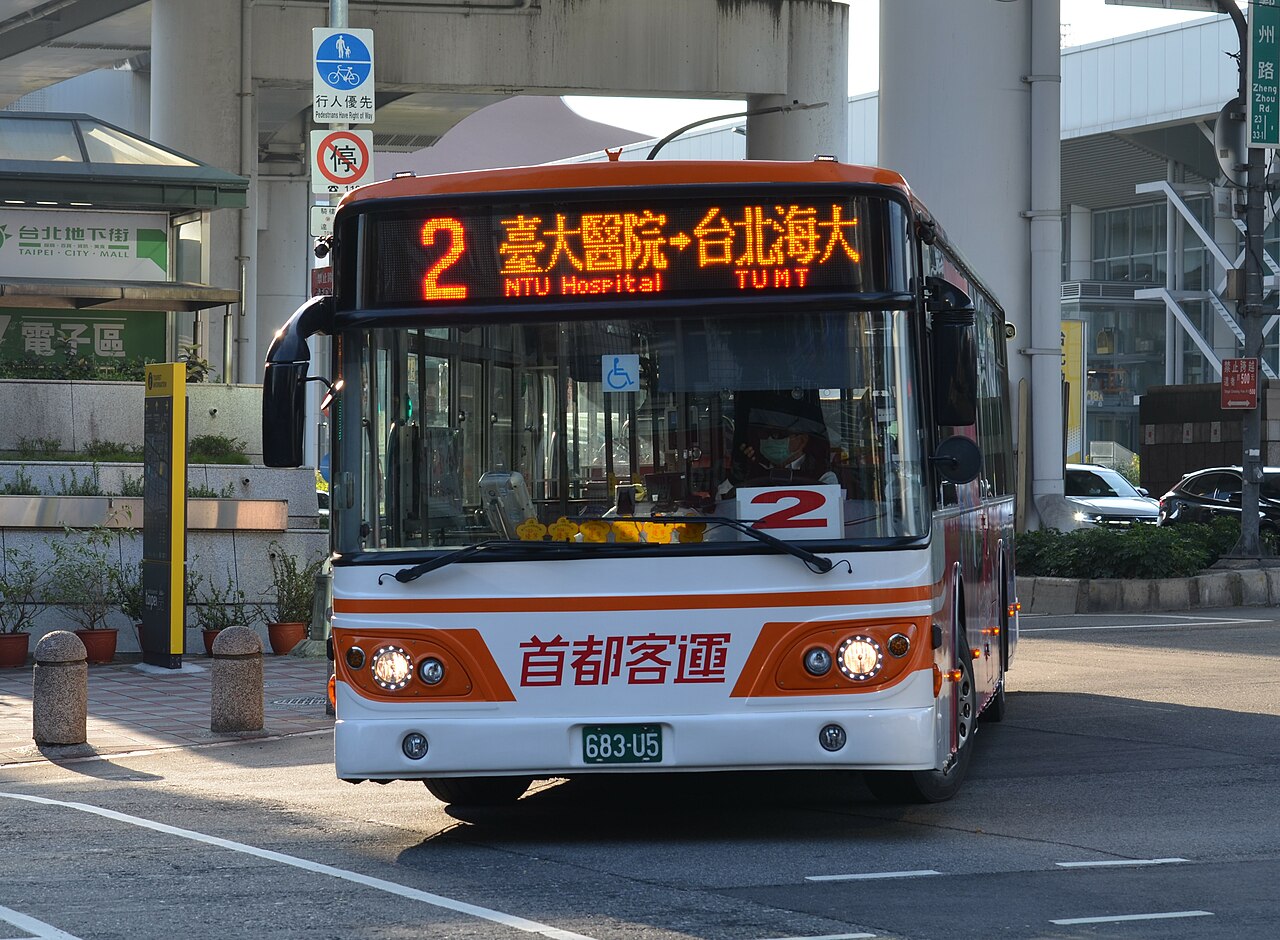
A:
[283,413]
[955,355]
[958,459]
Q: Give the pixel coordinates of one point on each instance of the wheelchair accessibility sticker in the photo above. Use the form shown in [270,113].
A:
[620,373]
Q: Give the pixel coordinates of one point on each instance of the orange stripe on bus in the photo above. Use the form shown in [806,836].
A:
[522,605]
[471,674]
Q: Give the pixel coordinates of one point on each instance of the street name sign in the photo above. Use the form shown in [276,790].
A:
[342,76]
[1264,73]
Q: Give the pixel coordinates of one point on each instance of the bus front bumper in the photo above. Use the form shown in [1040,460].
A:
[885,738]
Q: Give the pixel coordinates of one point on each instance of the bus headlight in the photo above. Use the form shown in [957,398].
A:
[859,657]
[391,667]
[817,661]
[431,671]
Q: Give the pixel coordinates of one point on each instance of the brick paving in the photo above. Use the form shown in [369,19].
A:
[132,707]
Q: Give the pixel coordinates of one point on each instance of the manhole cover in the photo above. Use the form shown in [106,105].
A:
[306,701]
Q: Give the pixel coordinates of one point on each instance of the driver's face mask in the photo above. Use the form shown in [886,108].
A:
[776,450]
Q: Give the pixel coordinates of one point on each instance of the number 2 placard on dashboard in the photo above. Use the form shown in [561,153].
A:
[793,512]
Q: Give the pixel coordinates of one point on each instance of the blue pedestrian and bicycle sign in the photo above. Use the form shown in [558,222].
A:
[342,80]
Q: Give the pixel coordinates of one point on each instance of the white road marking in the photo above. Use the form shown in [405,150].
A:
[1143,626]
[872,875]
[378,884]
[1169,915]
[1121,863]
[32,926]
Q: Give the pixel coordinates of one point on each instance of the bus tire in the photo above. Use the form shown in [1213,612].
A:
[933,786]
[477,791]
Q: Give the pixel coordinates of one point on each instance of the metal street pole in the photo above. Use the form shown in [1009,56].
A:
[1249,308]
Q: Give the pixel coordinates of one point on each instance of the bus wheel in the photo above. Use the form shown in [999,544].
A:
[934,786]
[477,791]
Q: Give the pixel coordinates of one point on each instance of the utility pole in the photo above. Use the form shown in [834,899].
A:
[1249,305]
[1264,14]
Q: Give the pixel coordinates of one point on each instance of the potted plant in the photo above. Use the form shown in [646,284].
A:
[217,605]
[293,584]
[22,583]
[82,583]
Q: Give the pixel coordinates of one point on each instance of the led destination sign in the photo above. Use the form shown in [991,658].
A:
[571,251]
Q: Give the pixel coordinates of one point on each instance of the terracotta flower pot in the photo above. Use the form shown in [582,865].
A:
[13,649]
[99,645]
[285,636]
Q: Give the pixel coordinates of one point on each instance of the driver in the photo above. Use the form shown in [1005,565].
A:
[782,440]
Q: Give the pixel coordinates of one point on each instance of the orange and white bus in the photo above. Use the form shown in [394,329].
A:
[658,466]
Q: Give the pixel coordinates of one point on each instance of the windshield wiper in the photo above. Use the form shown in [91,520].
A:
[405,575]
[819,564]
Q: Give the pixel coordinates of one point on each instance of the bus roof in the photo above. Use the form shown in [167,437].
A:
[631,173]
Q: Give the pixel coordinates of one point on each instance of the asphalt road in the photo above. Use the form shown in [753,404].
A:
[1134,778]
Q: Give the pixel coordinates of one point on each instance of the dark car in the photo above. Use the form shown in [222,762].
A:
[1102,497]
[1206,494]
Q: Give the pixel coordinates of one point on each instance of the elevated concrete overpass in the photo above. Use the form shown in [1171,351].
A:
[228,81]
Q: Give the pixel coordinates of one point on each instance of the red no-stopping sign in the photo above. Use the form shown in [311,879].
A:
[341,160]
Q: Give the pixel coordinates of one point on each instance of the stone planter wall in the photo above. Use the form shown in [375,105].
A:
[76,413]
[213,551]
[1244,588]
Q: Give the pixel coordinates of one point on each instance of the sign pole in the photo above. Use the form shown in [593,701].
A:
[164,515]
[1259,64]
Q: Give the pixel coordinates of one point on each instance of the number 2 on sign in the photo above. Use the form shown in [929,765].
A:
[432,289]
[794,512]
[793,516]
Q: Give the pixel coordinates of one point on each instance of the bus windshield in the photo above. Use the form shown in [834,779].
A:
[544,430]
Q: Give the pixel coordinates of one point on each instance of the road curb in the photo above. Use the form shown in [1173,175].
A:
[1242,588]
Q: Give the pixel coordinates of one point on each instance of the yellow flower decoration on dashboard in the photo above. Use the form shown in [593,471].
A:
[595,530]
[691,531]
[627,531]
[531,530]
[562,530]
[658,533]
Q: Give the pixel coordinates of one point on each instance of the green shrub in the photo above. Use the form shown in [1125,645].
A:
[200,491]
[216,448]
[1142,551]
[111,452]
[90,485]
[74,367]
[20,485]
[36,448]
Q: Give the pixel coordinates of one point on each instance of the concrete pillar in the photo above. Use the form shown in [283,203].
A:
[284,278]
[196,109]
[817,53]
[957,119]
[236,695]
[60,690]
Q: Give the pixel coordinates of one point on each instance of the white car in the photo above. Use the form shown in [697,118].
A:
[1103,497]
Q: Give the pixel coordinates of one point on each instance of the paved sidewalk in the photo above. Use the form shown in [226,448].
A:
[134,707]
